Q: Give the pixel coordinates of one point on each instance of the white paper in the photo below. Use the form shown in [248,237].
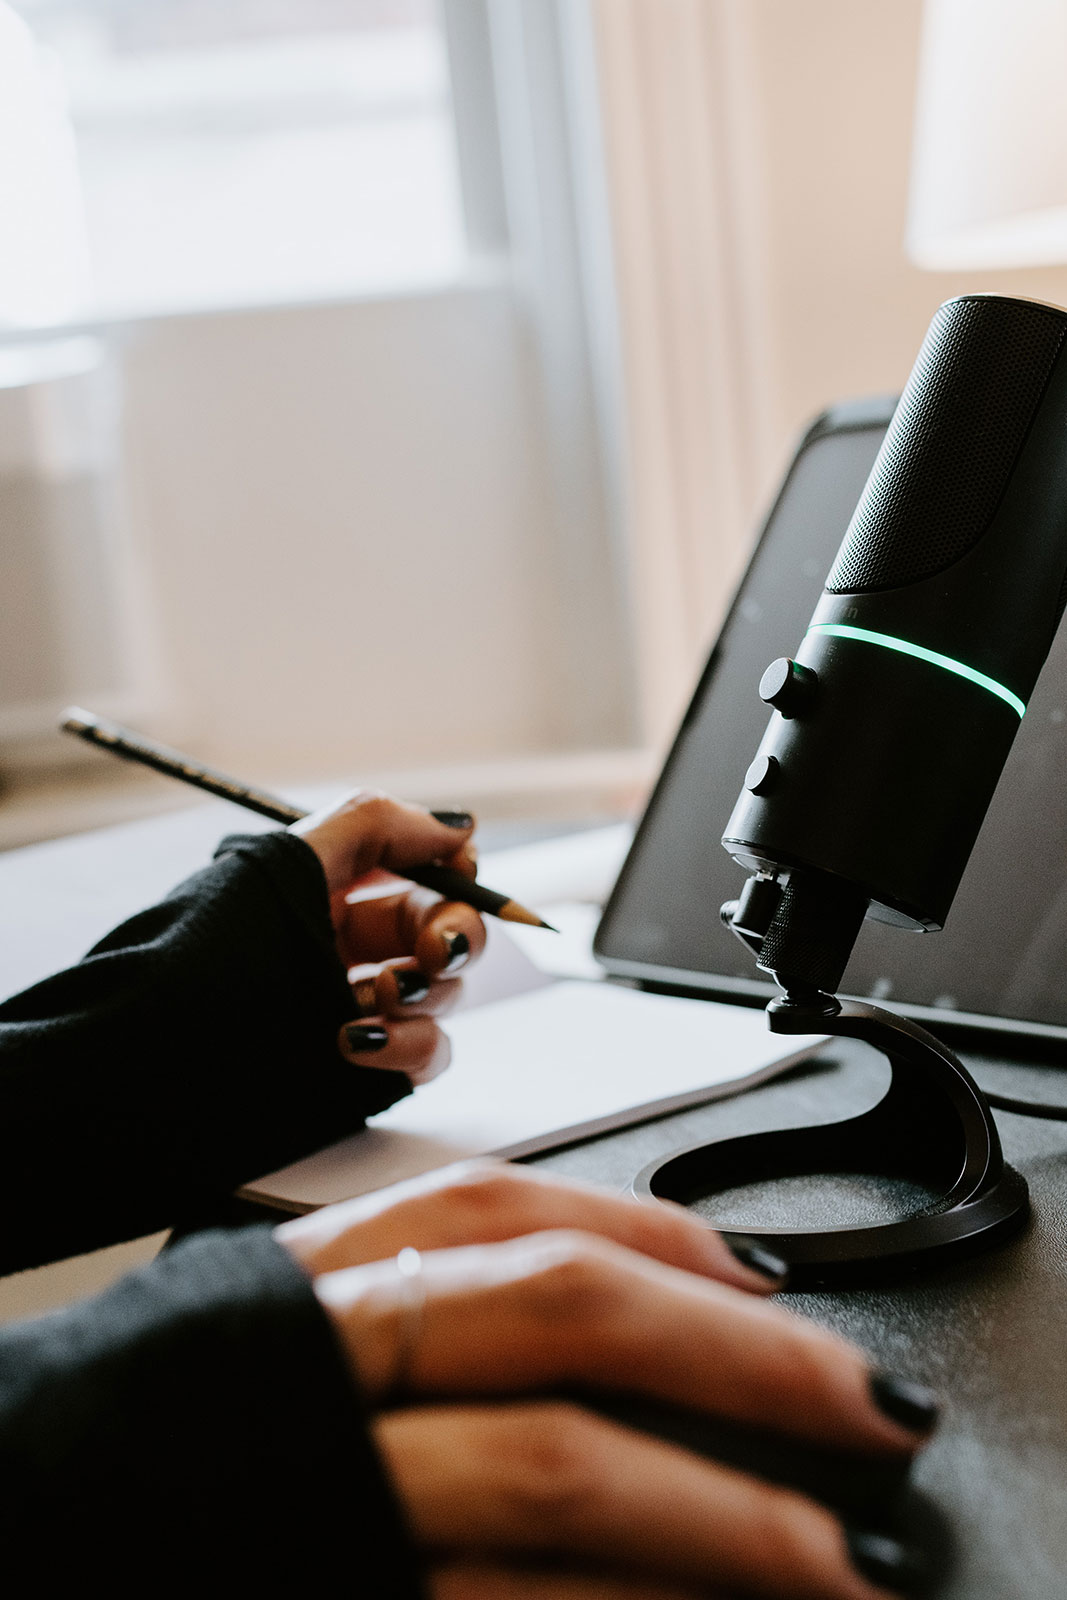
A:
[574,867]
[538,1064]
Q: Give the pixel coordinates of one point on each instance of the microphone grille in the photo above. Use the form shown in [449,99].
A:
[952,443]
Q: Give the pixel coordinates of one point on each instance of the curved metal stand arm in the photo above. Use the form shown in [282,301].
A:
[933,1126]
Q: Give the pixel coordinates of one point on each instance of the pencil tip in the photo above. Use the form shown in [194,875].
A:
[512,911]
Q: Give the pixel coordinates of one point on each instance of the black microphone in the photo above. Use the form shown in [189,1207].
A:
[890,727]
[893,720]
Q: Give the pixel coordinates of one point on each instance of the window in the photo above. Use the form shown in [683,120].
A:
[253,152]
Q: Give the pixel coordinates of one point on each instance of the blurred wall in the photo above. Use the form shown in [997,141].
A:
[347,518]
[846,312]
[759,153]
[345,522]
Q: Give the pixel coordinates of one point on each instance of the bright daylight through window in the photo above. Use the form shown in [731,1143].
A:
[255,152]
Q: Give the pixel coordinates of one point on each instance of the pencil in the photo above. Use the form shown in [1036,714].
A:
[119,741]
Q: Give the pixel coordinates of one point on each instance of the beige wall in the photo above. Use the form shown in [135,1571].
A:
[834,86]
[284,466]
[343,542]
[758,155]
[348,539]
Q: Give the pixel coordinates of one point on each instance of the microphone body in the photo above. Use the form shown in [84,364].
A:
[892,723]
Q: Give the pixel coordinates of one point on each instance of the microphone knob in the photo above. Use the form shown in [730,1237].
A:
[762,775]
[788,687]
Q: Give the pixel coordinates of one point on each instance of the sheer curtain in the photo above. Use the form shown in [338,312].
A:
[679,137]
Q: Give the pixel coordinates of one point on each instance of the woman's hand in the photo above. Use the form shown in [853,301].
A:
[525,1286]
[402,949]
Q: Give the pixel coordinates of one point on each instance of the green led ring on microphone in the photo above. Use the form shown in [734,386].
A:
[843,630]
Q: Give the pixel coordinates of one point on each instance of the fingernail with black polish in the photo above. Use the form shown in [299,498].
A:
[454,819]
[884,1561]
[459,948]
[757,1257]
[411,985]
[911,1404]
[364,1038]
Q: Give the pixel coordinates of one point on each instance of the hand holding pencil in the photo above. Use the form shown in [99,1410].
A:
[130,746]
[402,950]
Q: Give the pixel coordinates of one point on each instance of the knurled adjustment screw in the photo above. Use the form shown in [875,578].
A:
[788,687]
[762,775]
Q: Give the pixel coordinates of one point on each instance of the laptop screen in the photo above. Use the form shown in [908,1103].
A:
[1002,957]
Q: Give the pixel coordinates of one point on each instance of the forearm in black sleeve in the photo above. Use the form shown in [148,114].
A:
[193,1049]
[194,1424]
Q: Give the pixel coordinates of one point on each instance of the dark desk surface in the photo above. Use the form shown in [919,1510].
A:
[990,1335]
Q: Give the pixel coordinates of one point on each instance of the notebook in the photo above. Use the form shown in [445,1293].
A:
[545,1051]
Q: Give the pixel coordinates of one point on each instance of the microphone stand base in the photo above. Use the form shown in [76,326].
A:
[933,1126]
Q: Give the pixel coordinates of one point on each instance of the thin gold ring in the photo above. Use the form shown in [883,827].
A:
[409,1266]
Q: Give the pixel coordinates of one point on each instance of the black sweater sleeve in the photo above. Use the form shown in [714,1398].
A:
[193,1049]
[194,1425]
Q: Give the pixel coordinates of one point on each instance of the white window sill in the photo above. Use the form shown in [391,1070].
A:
[478,275]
